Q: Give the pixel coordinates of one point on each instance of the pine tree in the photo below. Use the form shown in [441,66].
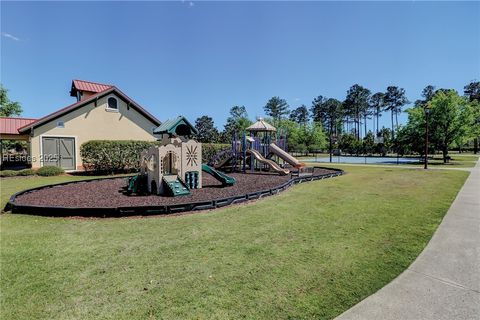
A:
[276,108]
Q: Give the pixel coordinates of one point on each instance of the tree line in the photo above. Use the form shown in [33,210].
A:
[335,116]
[329,123]
[333,124]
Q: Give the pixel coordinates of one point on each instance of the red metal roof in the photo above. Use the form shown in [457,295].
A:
[11,125]
[90,86]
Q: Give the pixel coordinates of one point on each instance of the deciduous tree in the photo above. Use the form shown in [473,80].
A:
[8,108]
[303,137]
[472,92]
[450,116]
[237,122]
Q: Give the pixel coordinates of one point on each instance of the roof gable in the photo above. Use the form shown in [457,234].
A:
[81,103]
[178,126]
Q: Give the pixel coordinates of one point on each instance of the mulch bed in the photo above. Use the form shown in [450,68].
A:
[106,197]
[109,192]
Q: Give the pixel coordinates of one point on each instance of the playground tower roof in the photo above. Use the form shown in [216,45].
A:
[178,126]
[261,126]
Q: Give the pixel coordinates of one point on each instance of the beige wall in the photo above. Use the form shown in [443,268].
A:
[94,123]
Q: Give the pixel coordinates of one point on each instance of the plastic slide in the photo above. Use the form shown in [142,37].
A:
[176,186]
[285,156]
[137,184]
[132,186]
[272,164]
[223,178]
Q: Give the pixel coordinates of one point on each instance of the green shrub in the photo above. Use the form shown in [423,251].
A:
[48,171]
[26,172]
[8,173]
[211,149]
[124,155]
[113,156]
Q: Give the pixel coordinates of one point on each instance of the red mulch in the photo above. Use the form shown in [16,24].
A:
[109,193]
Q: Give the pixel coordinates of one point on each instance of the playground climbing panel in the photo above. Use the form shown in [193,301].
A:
[175,186]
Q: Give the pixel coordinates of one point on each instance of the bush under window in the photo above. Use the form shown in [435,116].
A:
[49,171]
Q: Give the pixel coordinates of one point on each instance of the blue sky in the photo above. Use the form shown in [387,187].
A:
[195,58]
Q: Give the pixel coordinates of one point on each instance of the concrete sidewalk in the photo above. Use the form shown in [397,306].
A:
[444,281]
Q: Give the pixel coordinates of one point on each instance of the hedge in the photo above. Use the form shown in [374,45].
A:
[113,156]
[124,155]
[48,171]
[209,150]
[8,173]
[15,173]
[26,172]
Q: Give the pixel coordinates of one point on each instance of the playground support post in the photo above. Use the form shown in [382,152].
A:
[244,153]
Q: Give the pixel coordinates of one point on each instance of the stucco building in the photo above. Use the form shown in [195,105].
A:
[101,112]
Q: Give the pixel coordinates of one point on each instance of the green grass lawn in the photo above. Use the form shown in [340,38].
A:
[457,161]
[310,252]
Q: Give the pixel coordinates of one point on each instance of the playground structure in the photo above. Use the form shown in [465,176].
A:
[257,151]
[174,166]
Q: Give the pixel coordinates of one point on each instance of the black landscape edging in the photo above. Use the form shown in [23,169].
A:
[157,209]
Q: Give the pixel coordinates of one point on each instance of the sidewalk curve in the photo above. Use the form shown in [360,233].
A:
[444,281]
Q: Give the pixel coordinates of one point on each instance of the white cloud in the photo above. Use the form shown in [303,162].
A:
[191,4]
[10,36]
[297,99]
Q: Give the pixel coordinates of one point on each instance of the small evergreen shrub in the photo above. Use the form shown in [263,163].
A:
[49,171]
[8,173]
[26,172]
